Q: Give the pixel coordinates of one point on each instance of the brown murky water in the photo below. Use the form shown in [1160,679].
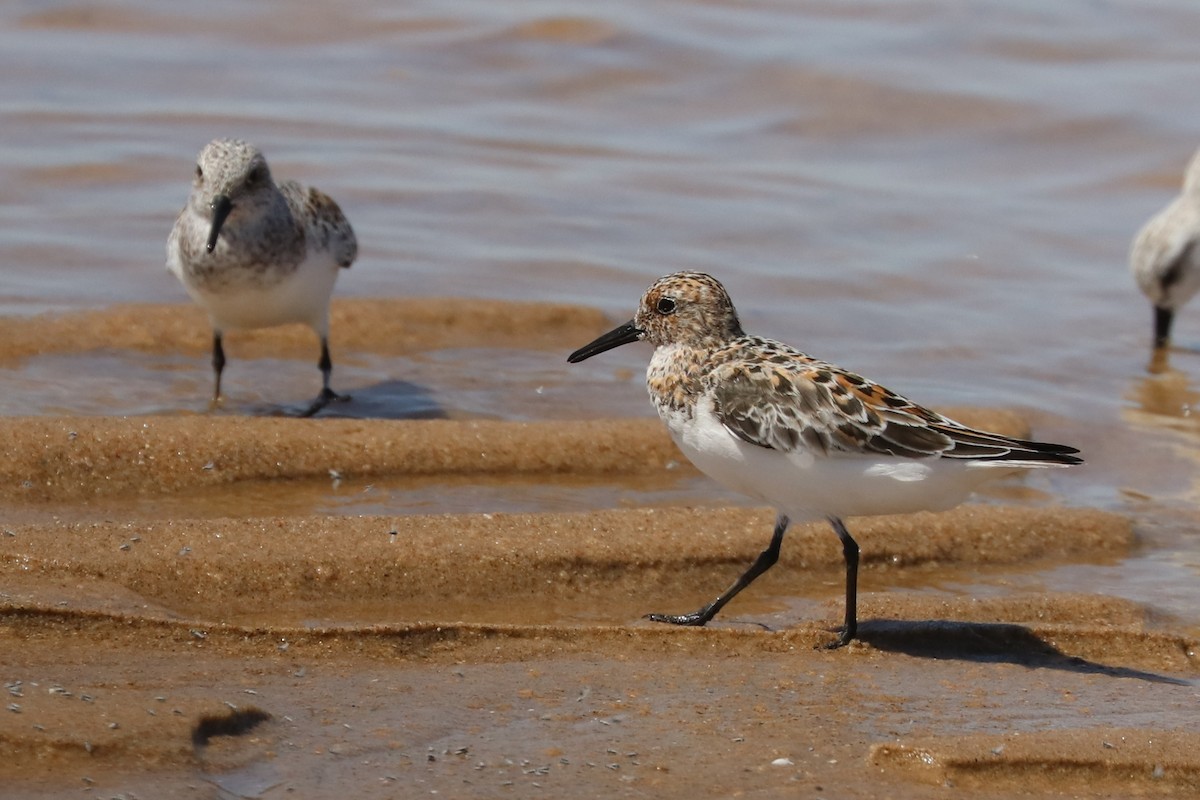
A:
[940,197]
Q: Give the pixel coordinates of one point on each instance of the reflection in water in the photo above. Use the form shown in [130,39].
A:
[1165,398]
[1166,391]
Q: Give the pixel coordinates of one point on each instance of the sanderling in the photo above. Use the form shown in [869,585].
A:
[808,437]
[256,254]
[1164,259]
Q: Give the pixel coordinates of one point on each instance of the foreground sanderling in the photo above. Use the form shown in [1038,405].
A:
[808,437]
[256,254]
[1164,259]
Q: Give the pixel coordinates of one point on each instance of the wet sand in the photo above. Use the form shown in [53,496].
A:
[384,325]
[241,652]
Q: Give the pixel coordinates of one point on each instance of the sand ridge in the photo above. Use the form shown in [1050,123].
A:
[377,325]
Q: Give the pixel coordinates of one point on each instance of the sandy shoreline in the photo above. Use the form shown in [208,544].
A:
[502,653]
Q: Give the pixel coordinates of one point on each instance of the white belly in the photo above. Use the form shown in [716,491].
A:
[808,485]
[266,300]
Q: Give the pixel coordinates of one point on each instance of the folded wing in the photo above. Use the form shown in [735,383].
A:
[822,409]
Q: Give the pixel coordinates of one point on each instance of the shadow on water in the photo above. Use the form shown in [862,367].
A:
[989,642]
[394,399]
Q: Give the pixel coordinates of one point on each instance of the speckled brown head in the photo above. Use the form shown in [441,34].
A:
[689,308]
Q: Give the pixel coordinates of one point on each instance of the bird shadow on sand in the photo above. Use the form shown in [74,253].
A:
[385,400]
[989,642]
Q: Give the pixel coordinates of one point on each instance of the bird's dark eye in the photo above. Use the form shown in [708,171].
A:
[256,176]
[199,173]
[666,306]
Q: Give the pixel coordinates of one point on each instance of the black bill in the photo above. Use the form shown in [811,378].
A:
[221,206]
[615,338]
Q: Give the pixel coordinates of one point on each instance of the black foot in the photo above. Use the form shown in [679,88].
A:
[844,638]
[695,619]
[326,397]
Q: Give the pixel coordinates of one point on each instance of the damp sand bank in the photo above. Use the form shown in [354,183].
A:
[245,651]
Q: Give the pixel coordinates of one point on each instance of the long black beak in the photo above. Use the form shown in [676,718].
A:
[615,338]
[221,206]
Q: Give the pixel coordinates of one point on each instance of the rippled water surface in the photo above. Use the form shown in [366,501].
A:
[939,195]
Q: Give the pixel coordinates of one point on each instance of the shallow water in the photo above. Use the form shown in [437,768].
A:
[940,197]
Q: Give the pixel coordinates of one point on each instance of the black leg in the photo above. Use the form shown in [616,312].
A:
[218,365]
[325,364]
[1162,325]
[766,559]
[850,554]
[327,395]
